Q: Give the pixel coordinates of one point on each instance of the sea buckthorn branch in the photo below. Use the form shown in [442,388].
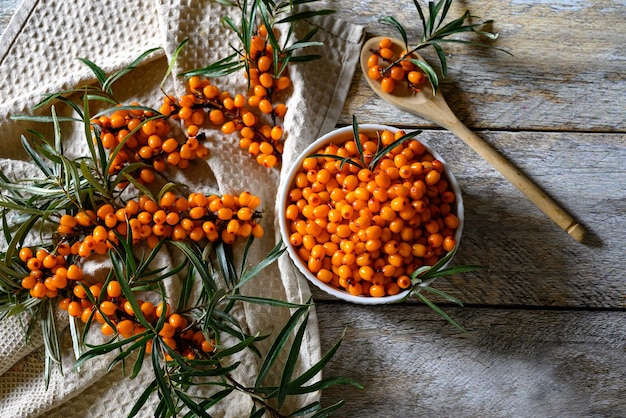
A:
[435,32]
[422,277]
[256,115]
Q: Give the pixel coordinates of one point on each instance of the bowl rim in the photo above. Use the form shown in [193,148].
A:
[340,135]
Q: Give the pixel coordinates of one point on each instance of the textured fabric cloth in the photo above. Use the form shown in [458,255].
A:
[38,52]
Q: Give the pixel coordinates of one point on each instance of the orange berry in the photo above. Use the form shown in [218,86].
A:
[114,289]
[25,254]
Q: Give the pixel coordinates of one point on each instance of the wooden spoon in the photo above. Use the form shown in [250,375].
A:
[434,108]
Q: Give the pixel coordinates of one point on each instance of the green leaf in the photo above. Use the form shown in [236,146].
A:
[390,20]
[317,367]
[299,45]
[44,119]
[273,255]
[324,413]
[290,363]
[189,403]
[264,301]
[163,386]
[357,138]
[173,60]
[442,58]
[444,295]
[104,349]
[304,58]
[422,19]
[278,344]
[98,72]
[438,310]
[223,67]
[200,266]
[225,262]
[381,153]
[35,157]
[213,400]
[141,401]
[106,86]
[305,15]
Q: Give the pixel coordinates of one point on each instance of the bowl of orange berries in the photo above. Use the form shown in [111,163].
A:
[364,208]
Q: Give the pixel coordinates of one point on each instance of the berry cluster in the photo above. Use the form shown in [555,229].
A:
[396,67]
[366,229]
[48,272]
[145,138]
[197,217]
[115,314]
[254,117]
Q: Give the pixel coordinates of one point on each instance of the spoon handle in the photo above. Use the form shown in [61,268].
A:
[519,180]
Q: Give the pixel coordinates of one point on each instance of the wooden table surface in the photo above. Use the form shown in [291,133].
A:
[545,320]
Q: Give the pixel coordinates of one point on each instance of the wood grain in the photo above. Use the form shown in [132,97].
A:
[545,318]
[510,363]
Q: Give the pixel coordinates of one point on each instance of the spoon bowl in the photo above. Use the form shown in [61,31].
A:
[433,107]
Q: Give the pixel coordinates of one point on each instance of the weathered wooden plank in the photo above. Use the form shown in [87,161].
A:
[529,260]
[510,363]
[566,72]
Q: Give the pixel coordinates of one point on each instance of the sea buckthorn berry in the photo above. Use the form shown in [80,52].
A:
[107,329]
[388,84]
[108,308]
[416,77]
[125,328]
[74,309]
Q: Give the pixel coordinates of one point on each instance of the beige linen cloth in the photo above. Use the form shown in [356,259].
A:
[38,52]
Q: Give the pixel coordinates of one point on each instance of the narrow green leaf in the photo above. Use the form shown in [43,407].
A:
[269,259]
[290,363]
[213,400]
[44,119]
[444,12]
[317,367]
[278,344]
[429,71]
[390,20]
[443,294]
[207,280]
[173,61]
[442,58]
[139,361]
[141,401]
[304,58]
[324,413]
[97,71]
[264,301]
[307,409]
[35,157]
[357,138]
[305,15]
[381,153]
[106,86]
[223,67]
[163,386]
[76,338]
[194,407]
[438,310]
[324,384]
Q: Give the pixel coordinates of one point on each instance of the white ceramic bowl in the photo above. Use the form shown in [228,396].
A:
[339,136]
